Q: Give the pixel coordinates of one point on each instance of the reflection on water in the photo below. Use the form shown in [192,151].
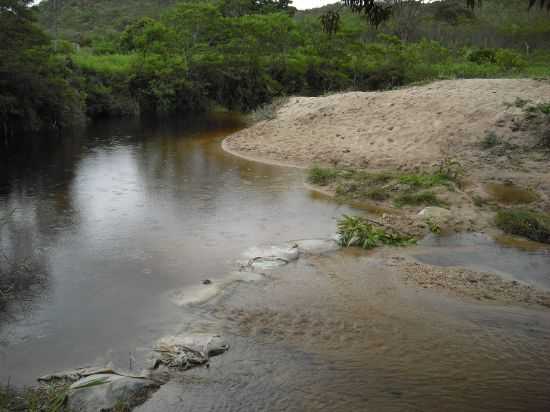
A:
[127,212]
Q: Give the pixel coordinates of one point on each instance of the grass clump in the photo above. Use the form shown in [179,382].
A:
[322,176]
[490,140]
[43,399]
[524,222]
[403,189]
[424,181]
[425,198]
[358,231]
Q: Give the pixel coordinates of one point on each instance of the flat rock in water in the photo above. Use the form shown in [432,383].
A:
[317,246]
[269,257]
[187,351]
[73,375]
[105,392]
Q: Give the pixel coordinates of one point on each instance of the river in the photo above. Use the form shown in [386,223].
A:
[122,215]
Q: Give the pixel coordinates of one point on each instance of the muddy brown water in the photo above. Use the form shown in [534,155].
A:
[510,194]
[128,212]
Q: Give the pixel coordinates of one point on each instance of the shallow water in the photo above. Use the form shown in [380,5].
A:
[123,215]
[528,262]
[341,333]
[129,212]
[510,194]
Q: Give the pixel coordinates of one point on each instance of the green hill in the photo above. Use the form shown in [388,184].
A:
[79,20]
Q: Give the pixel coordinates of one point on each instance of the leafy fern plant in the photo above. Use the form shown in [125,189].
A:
[357,231]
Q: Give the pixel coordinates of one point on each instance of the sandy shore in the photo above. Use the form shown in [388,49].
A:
[403,128]
[415,128]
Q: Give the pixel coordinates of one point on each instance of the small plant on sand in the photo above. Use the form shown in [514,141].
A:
[451,169]
[434,227]
[490,140]
[537,109]
[524,222]
[358,231]
[425,198]
[267,111]
[520,103]
[322,176]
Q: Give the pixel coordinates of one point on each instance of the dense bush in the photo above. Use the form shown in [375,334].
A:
[196,55]
[528,223]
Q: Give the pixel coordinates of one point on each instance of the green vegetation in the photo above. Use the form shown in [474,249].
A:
[524,222]
[405,189]
[425,198]
[490,140]
[42,399]
[267,111]
[537,119]
[358,231]
[116,58]
[322,176]
[35,87]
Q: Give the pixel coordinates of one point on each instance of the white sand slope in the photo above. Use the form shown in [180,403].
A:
[409,127]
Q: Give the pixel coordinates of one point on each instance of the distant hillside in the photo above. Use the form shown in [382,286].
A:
[82,19]
[508,22]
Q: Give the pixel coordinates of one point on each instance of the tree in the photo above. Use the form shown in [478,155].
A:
[35,93]
[378,11]
[239,8]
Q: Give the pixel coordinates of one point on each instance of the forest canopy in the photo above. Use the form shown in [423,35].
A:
[69,59]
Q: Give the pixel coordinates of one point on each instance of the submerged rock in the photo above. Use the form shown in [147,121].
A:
[260,258]
[269,257]
[186,352]
[73,375]
[317,246]
[105,392]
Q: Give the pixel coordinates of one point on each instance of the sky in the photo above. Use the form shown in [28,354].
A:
[299,4]
[309,4]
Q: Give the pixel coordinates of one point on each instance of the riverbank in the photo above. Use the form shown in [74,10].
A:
[440,158]
[484,134]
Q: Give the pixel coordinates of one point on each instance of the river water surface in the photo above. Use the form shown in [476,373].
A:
[129,211]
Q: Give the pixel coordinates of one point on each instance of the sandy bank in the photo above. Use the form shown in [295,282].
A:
[402,128]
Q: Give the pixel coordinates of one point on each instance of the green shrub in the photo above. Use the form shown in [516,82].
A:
[357,231]
[509,59]
[523,222]
[482,56]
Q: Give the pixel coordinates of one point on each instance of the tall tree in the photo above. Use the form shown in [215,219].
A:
[34,91]
[378,11]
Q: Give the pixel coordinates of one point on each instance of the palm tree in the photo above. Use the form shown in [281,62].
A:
[376,11]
